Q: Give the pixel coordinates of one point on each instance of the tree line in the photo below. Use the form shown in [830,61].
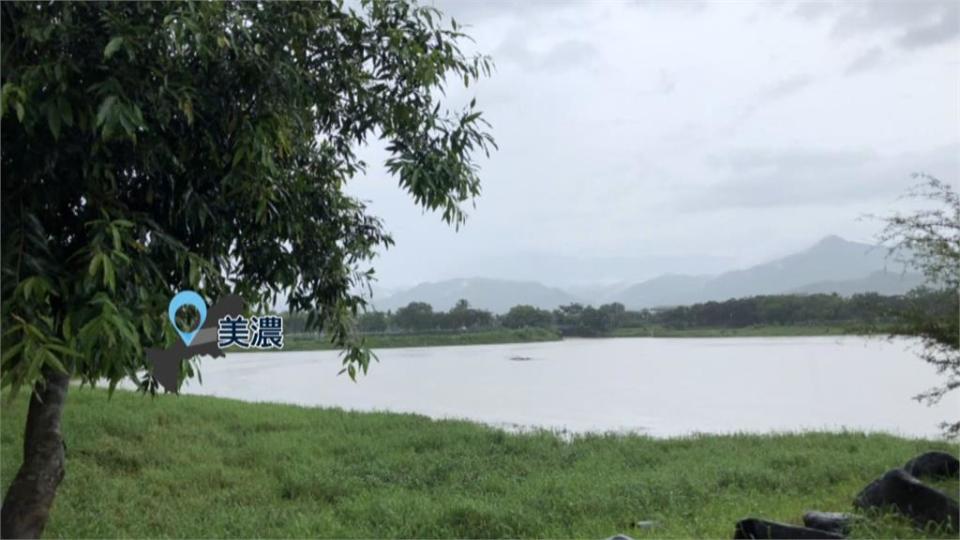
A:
[868,309]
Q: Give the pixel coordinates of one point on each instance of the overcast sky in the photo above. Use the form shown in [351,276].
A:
[714,134]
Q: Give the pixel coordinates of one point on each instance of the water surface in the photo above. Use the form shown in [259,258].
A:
[657,386]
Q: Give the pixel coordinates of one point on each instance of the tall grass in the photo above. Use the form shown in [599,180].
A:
[206,467]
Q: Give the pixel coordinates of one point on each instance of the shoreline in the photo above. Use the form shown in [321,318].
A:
[537,335]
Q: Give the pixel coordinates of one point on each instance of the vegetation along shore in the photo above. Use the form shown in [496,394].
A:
[418,325]
[188,466]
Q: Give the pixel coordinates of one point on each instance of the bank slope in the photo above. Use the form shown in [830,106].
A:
[206,467]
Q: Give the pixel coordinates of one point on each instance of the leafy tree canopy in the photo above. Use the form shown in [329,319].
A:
[929,240]
[158,146]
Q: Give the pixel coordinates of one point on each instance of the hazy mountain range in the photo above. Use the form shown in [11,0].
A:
[831,265]
[496,295]
[572,273]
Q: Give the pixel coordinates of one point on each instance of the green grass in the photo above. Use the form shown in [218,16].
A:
[748,331]
[206,467]
[387,341]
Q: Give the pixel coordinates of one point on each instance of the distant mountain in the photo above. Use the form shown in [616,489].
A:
[882,282]
[669,290]
[831,265]
[494,295]
[573,272]
[831,259]
[598,293]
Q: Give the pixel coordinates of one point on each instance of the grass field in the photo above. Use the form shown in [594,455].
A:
[206,467]
[387,341]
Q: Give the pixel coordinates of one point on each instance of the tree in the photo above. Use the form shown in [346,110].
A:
[568,318]
[929,241]
[372,321]
[613,315]
[154,147]
[463,316]
[416,317]
[594,322]
[526,316]
[577,320]
[458,317]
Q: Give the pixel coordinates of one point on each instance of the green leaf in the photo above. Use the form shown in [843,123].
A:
[109,274]
[138,115]
[53,121]
[5,97]
[238,156]
[112,47]
[11,352]
[95,263]
[34,288]
[54,362]
[105,107]
[34,332]
[66,351]
[66,111]
[115,233]
[194,273]
[187,107]
[68,326]
[123,114]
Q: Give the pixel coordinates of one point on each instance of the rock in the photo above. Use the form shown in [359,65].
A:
[835,522]
[620,537]
[759,528]
[934,465]
[911,498]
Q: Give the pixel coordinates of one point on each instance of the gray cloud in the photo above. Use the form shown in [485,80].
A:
[567,54]
[628,130]
[912,24]
[785,87]
[688,6]
[667,83]
[563,55]
[943,30]
[866,61]
[477,11]
[760,177]
[749,161]
[769,93]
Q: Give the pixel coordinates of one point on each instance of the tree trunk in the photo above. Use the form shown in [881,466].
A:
[27,504]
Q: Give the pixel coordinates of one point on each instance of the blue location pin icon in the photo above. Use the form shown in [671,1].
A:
[187,298]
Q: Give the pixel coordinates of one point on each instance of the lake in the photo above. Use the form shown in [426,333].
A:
[657,386]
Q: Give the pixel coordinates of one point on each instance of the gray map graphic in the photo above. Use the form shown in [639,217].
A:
[166,362]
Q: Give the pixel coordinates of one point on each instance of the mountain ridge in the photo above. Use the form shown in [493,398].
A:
[496,295]
[832,264]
